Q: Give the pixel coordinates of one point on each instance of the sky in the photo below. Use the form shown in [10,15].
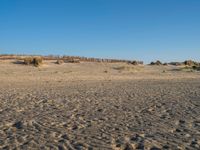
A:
[168,30]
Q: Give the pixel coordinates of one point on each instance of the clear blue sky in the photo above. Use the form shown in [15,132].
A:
[168,30]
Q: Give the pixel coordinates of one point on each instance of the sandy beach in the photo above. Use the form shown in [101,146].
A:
[105,106]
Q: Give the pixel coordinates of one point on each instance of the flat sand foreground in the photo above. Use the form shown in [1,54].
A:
[98,106]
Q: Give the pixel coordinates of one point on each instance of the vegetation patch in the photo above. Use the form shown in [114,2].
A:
[136,62]
[59,61]
[156,63]
[197,68]
[190,68]
[28,60]
[36,61]
[71,60]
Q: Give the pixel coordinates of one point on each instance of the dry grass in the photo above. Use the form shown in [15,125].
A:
[189,68]
[28,60]
[59,62]
[156,63]
[36,61]
[72,61]
[196,68]
[190,63]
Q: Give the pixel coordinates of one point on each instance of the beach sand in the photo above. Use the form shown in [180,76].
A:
[98,106]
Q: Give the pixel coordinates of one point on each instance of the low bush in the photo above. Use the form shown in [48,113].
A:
[190,63]
[176,63]
[156,63]
[196,68]
[36,61]
[72,61]
[59,61]
[165,64]
[134,62]
[28,60]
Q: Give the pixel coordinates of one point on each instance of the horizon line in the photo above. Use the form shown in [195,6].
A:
[63,55]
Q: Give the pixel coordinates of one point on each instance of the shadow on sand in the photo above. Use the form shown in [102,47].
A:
[18,62]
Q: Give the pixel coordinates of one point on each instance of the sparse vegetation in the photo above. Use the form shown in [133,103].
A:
[28,60]
[135,62]
[59,61]
[165,64]
[156,63]
[72,61]
[189,68]
[176,63]
[68,59]
[36,61]
[196,68]
[190,63]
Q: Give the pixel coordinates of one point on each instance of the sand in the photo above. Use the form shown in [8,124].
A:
[98,106]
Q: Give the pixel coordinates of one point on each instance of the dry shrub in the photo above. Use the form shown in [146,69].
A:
[36,61]
[156,63]
[59,61]
[187,69]
[165,64]
[176,63]
[190,68]
[196,68]
[72,61]
[190,63]
[28,60]
[134,62]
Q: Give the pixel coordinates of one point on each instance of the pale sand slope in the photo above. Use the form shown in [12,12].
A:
[80,106]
